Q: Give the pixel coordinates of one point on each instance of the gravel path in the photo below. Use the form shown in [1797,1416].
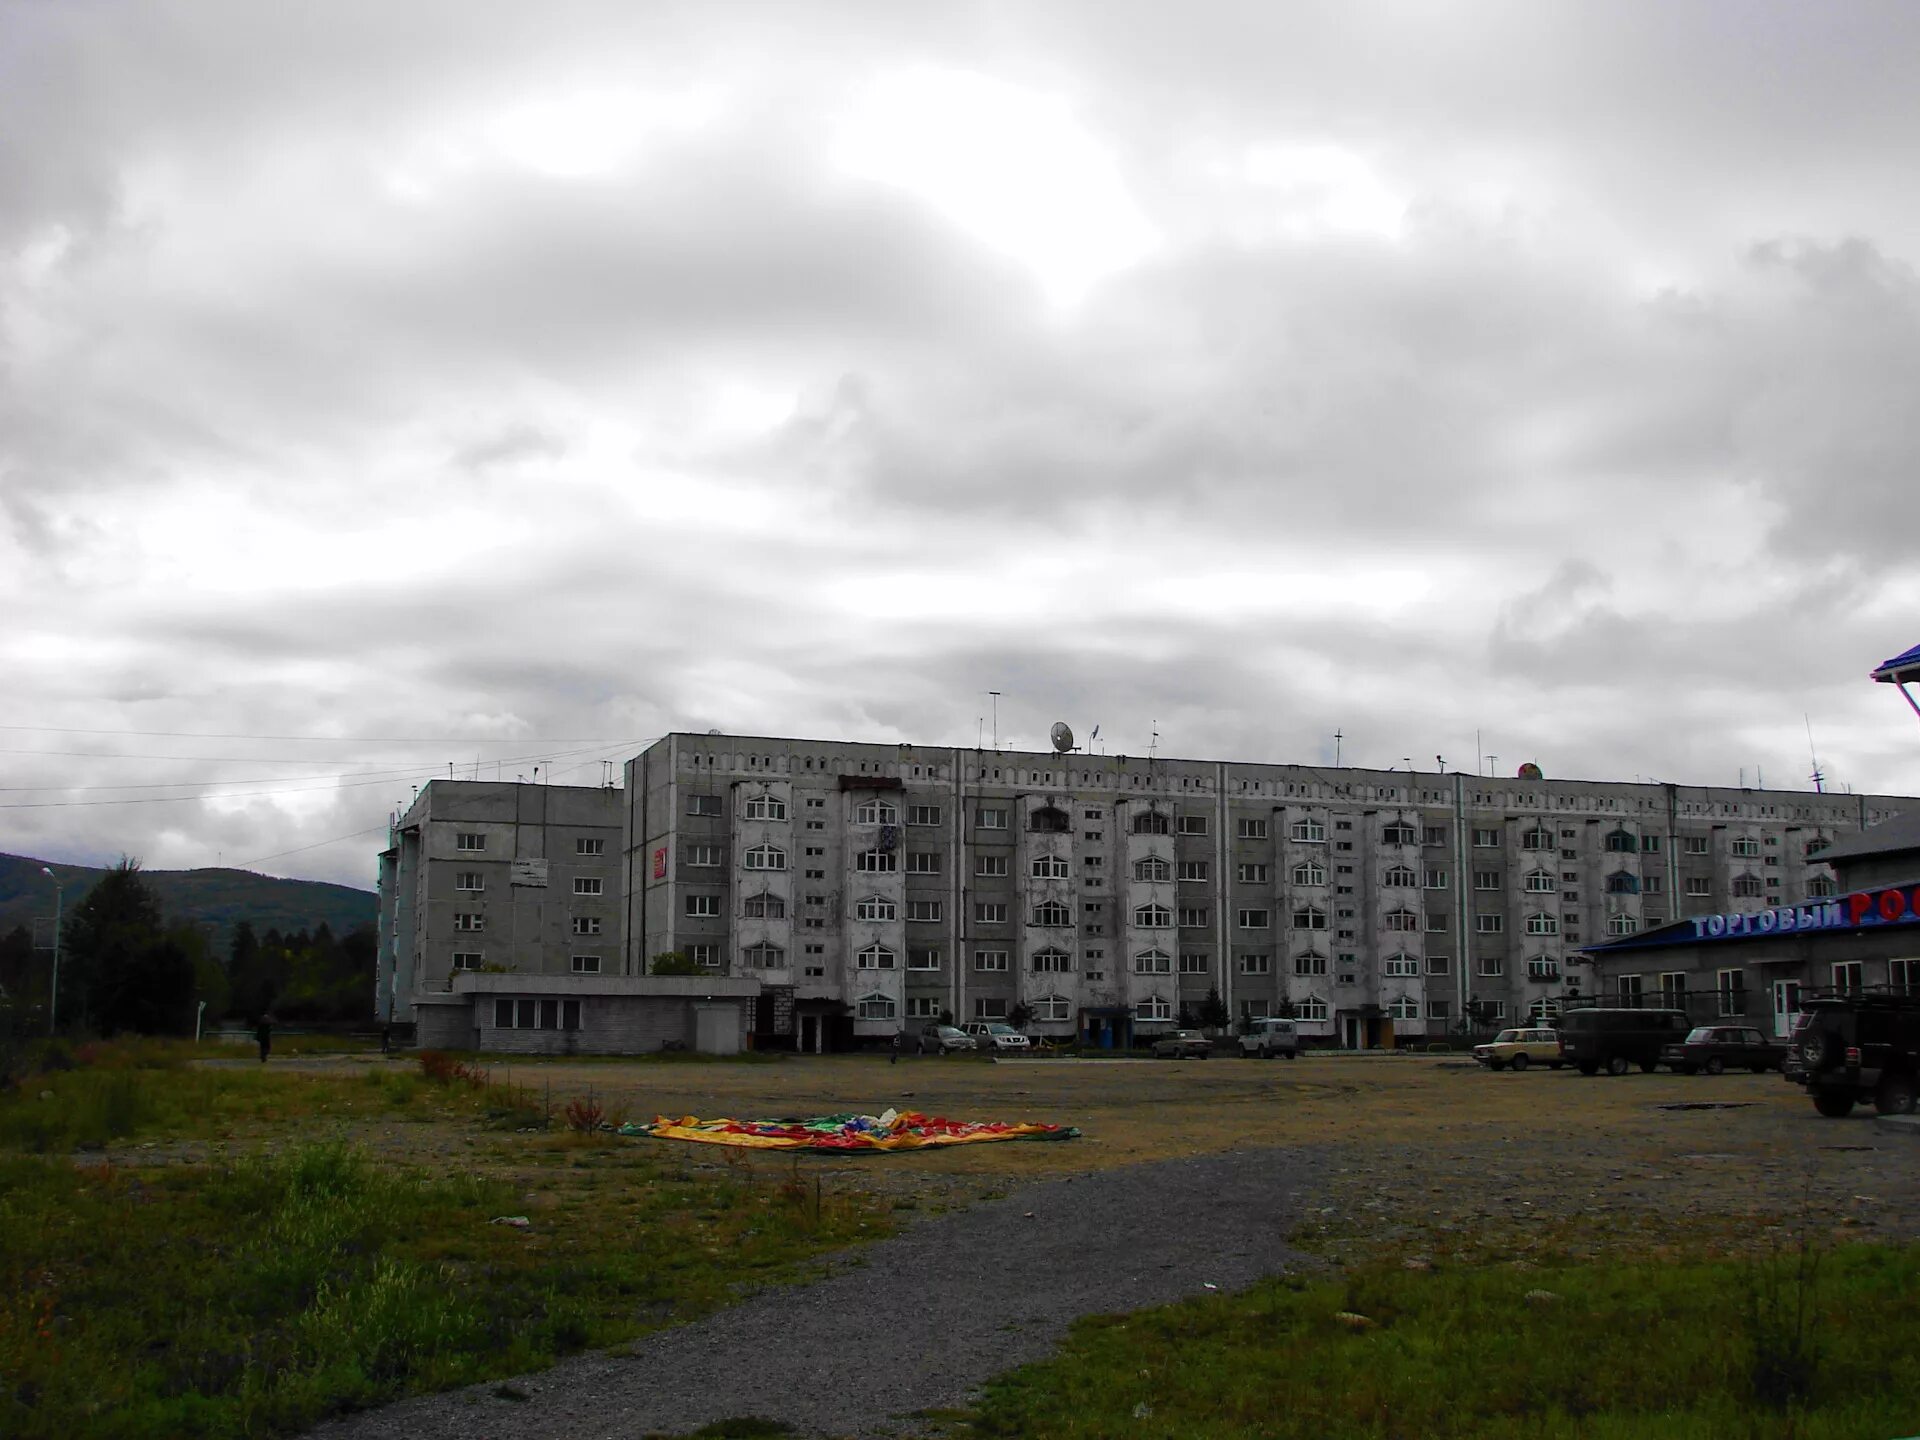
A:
[915,1322]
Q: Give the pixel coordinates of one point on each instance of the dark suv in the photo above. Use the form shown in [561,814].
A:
[1597,1037]
[1850,1049]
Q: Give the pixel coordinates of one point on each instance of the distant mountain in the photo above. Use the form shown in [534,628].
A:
[219,898]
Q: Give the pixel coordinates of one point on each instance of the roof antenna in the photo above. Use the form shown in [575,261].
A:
[1337,737]
[1819,780]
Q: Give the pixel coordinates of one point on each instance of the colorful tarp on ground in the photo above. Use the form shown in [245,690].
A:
[894,1130]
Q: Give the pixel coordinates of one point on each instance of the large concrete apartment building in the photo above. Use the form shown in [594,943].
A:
[830,893]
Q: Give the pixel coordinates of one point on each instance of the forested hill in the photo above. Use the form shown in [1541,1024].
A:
[220,898]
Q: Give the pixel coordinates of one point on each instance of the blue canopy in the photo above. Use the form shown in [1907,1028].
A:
[1901,668]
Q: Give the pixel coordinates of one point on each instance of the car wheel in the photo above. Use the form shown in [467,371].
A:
[1519,1063]
[1895,1096]
[1833,1104]
[1617,1065]
[1496,1064]
[1589,1067]
[1715,1065]
[1814,1050]
[1288,1053]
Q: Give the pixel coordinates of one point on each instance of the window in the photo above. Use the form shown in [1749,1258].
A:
[1439,1010]
[1257,875]
[590,847]
[1434,879]
[876,862]
[1309,963]
[989,959]
[1051,959]
[1191,872]
[1052,914]
[1311,1008]
[1398,834]
[1309,872]
[990,914]
[1621,883]
[1400,877]
[1405,1008]
[923,957]
[1402,920]
[468,959]
[1699,885]
[1730,991]
[923,862]
[763,957]
[1150,822]
[469,841]
[1539,923]
[1745,846]
[510,1014]
[1255,919]
[1152,917]
[1486,839]
[990,817]
[764,807]
[1486,879]
[469,880]
[1820,887]
[874,957]
[1538,838]
[1620,842]
[1256,963]
[1309,917]
[1697,845]
[1049,821]
[1436,922]
[875,812]
[1847,977]
[1193,962]
[1308,832]
[989,1007]
[876,1007]
[923,1007]
[1540,882]
[1630,990]
[590,924]
[1903,976]
[1049,867]
[1622,925]
[1492,925]
[874,907]
[1491,966]
[1433,835]
[706,857]
[1193,824]
[1746,887]
[703,907]
[586,884]
[923,912]
[990,865]
[1152,869]
[1653,885]
[764,907]
[1439,965]
[1154,1007]
[1543,968]
[469,920]
[1052,1008]
[1251,829]
[1402,964]
[923,815]
[1193,917]
[703,804]
[1673,989]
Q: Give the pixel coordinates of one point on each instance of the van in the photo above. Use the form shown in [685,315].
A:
[1598,1038]
[1268,1038]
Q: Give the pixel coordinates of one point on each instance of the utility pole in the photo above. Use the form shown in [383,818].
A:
[53,993]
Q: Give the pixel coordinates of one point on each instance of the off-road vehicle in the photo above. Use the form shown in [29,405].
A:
[1849,1049]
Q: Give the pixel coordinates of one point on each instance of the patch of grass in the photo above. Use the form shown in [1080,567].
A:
[257,1297]
[1621,1349]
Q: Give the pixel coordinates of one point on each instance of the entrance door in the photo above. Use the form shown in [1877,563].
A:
[809,1034]
[1786,1006]
[1350,1032]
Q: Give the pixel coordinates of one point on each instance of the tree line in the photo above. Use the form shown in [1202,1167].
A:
[124,967]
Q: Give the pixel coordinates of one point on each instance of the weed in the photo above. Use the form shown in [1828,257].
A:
[584,1114]
[1780,1294]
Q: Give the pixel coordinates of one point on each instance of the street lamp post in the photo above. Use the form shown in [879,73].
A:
[53,994]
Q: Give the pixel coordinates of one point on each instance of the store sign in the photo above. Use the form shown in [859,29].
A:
[660,863]
[1863,910]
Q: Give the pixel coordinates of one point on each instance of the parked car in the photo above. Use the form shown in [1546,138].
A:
[993,1035]
[1267,1038]
[1714,1048]
[1517,1049]
[1182,1045]
[1848,1049]
[942,1039]
[1615,1038]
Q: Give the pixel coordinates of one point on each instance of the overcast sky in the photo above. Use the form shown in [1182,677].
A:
[389,385]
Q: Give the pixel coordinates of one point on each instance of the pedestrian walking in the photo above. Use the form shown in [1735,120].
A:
[263,1032]
[893,1056]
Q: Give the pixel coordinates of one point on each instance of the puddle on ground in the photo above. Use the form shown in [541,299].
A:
[1706,1105]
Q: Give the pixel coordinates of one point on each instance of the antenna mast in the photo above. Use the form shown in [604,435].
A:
[1819,780]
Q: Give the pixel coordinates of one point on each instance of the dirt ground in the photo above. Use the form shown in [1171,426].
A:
[1412,1154]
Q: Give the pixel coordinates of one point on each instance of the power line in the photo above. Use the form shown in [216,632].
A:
[302,849]
[336,739]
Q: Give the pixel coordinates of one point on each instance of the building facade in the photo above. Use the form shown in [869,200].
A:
[872,887]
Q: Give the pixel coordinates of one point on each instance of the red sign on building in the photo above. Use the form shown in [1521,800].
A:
[660,863]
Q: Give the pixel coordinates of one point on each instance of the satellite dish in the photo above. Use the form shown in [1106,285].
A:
[1062,736]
